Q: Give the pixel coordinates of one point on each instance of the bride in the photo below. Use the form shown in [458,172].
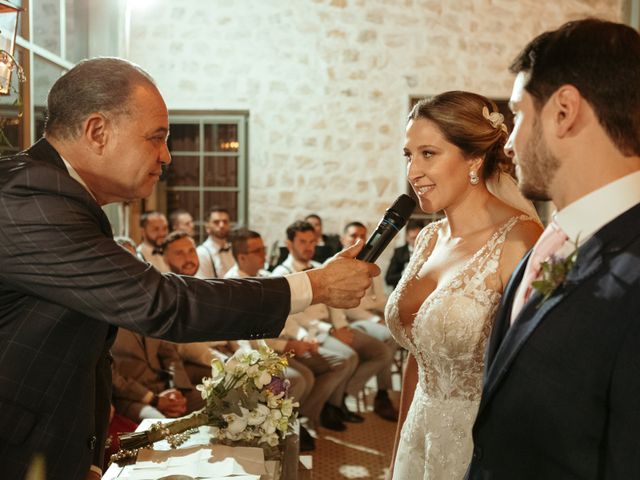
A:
[442,309]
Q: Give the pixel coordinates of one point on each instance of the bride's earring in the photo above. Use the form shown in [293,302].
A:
[473,177]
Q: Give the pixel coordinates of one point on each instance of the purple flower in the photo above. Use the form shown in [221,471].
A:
[278,385]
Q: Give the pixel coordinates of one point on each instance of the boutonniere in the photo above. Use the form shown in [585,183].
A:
[553,273]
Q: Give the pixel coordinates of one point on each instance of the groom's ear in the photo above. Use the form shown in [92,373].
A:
[566,102]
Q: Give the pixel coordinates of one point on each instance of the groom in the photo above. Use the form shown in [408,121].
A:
[561,395]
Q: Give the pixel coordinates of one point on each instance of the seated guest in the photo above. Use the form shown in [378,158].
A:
[179,253]
[182,220]
[154,229]
[249,252]
[149,377]
[369,318]
[327,245]
[401,255]
[338,336]
[154,382]
[215,252]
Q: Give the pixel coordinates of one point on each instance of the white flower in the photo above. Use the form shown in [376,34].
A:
[217,371]
[287,407]
[262,380]
[205,388]
[235,423]
[270,438]
[258,415]
[232,365]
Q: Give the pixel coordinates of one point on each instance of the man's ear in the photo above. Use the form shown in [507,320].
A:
[96,132]
[566,103]
[289,245]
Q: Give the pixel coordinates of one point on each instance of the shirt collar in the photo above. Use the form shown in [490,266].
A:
[584,217]
[215,248]
[73,174]
[297,266]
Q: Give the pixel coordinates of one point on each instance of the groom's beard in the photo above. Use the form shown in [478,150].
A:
[536,166]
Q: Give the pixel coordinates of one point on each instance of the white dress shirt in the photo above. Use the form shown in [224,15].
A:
[214,260]
[584,217]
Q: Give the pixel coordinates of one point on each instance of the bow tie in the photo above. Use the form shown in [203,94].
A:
[225,249]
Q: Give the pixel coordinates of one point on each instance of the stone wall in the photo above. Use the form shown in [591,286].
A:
[327,83]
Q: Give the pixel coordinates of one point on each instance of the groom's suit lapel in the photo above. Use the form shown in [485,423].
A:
[506,341]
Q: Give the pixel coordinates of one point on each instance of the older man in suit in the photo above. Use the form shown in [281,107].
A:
[562,384]
[65,284]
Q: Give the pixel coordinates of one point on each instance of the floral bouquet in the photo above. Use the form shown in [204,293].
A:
[246,401]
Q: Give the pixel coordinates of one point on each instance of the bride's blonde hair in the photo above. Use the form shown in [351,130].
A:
[459,116]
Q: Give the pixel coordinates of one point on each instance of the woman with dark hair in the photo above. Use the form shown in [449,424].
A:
[443,307]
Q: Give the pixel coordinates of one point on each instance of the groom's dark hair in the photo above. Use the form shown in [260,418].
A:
[602,60]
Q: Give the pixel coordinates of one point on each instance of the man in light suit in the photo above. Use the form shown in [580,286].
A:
[562,379]
[65,284]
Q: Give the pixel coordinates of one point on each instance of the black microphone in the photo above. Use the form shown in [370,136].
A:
[394,219]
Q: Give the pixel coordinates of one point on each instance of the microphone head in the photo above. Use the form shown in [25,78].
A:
[403,206]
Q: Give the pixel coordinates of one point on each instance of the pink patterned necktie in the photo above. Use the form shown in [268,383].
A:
[549,243]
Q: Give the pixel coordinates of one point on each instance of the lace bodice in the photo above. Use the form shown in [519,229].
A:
[449,331]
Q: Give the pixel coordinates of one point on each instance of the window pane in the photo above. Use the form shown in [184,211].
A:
[77,27]
[44,74]
[185,200]
[183,171]
[7,43]
[221,171]
[184,137]
[221,137]
[228,200]
[46,24]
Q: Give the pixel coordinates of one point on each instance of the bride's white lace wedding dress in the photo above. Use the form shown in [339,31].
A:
[447,338]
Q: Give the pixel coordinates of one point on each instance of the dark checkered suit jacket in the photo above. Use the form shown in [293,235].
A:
[64,286]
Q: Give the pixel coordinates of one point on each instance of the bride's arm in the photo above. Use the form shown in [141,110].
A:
[409,382]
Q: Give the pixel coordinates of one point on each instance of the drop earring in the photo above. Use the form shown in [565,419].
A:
[473,178]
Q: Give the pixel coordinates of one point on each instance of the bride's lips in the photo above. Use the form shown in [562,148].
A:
[424,189]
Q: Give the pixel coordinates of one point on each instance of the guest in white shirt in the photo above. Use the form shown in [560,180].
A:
[249,253]
[154,230]
[368,317]
[215,252]
[330,326]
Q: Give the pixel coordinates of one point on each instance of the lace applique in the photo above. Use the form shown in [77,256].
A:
[447,338]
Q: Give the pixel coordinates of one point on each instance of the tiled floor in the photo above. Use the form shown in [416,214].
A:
[363,451]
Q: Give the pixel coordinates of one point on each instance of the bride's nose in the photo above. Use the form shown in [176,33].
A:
[413,172]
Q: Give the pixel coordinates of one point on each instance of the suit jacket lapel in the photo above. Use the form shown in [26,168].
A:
[612,237]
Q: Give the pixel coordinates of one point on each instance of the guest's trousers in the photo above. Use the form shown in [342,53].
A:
[380,332]
[332,369]
[373,357]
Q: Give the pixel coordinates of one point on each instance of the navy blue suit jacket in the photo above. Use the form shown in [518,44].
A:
[561,395]
[64,287]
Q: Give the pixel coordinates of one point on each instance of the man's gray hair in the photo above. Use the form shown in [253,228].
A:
[103,85]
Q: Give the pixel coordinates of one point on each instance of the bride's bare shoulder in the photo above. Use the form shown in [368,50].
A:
[520,239]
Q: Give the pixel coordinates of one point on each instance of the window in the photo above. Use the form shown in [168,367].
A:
[209,166]
[52,36]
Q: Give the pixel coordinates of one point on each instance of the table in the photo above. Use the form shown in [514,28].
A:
[287,470]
